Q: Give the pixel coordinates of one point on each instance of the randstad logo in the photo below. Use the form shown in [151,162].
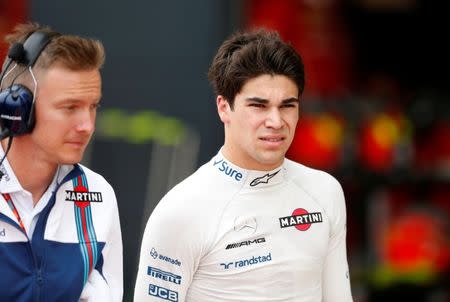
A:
[247,262]
[2,233]
[223,166]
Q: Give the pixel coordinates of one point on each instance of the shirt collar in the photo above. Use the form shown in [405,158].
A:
[10,184]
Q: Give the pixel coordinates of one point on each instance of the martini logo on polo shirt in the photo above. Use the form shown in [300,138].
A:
[263,179]
[300,219]
[226,169]
[81,195]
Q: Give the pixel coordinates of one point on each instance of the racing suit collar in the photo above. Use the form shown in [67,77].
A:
[247,178]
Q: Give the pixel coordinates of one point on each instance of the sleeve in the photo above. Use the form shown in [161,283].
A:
[170,252]
[105,282]
[336,278]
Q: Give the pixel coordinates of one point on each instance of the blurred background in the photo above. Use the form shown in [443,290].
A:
[375,114]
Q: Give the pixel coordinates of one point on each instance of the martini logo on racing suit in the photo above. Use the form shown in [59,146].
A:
[245,243]
[263,179]
[247,262]
[223,166]
[163,293]
[301,219]
[163,275]
[155,255]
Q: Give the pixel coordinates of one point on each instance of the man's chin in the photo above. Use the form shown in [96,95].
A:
[271,161]
[71,160]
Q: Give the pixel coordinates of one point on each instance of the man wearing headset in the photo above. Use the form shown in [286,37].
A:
[250,225]
[60,237]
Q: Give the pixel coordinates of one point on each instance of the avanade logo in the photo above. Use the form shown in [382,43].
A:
[156,255]
[2,232]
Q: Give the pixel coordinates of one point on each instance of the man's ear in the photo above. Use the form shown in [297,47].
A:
[223,108]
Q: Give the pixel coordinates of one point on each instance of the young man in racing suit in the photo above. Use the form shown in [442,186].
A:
[250,225]
[60,236]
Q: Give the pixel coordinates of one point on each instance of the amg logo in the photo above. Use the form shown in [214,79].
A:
[84,196]
[163,275]
[303,219]
[247,242]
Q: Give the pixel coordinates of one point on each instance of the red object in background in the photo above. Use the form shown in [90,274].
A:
[380,138]
[11,13]
[318,141]
[316,29]
[417,241]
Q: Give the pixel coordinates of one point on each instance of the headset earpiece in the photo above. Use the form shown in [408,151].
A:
[17,101]
[16,109]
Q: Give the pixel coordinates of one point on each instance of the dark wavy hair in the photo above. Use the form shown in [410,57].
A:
[246,55]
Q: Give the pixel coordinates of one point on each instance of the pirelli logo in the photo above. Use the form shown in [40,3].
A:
[301,219]
[83,196]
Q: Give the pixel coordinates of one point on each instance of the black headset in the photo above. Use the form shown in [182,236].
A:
[17,115]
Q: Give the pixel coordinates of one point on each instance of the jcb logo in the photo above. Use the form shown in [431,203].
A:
[163,293]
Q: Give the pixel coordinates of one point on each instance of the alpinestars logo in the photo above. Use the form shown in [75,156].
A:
[301,219]
[245,243]
[263,179]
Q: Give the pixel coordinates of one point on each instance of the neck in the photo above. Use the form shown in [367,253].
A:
[245,162]
[33,173]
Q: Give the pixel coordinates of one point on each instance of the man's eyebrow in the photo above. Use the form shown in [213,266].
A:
[73,101]
[257,100]
[290,100]
[264,101]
